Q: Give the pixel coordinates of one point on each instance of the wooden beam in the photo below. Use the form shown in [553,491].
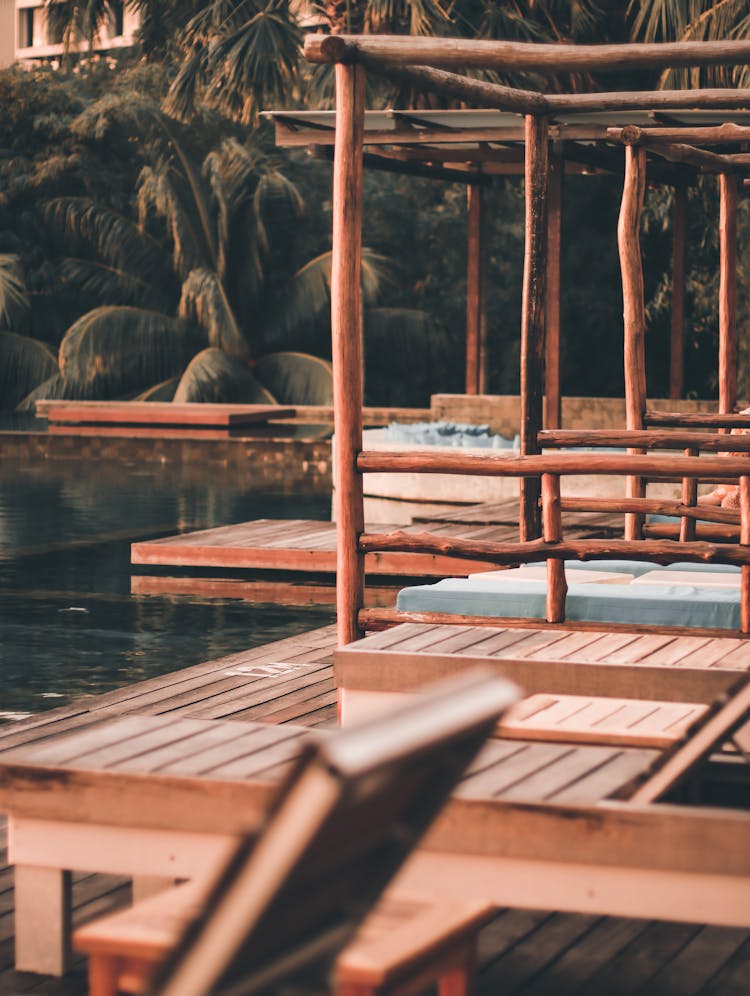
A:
[655,466]
[674,152]
[703,419]
[557,585]
[463,88]
[453,53]
[724,134]
[658,551]
[650,100]
[677,326]
[634,311]
[532,314]
[476,304]
[386,164]
[346,329]
[552,376]
[706,442]
[727,293]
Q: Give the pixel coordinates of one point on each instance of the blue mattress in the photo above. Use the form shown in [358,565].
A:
[664,605]
[638,567]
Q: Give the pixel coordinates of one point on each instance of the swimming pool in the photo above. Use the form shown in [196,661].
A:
[69,625]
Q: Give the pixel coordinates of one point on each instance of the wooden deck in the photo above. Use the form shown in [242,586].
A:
[304,545]
[153,413]
[562,662]
[534,953]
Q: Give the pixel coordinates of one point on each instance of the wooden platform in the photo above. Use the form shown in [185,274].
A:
[304,545]
[547,661]
[530,952]
[159,413]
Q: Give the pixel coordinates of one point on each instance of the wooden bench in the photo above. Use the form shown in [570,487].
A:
[405,945]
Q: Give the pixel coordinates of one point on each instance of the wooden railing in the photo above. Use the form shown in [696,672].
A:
[724,522]
[553,547]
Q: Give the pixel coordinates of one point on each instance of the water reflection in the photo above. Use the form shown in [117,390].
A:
[68,623]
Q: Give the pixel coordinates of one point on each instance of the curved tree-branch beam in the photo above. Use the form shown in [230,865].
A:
[658,551]
[456,53]
[654,466]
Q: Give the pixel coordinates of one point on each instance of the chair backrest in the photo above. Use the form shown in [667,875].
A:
[357,803]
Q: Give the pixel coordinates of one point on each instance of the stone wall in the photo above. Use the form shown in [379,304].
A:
[502,412]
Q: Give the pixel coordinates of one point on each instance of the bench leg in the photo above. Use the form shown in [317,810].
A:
[43,919]
[104,975]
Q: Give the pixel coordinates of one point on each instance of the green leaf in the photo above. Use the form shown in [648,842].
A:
[296,315]
[14,298]
[115,350]
[297,378]
[160,392]
[52,389]
[213,376]
[204,301]
[24,364]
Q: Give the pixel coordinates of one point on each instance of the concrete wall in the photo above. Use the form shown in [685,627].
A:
[7,32]
[502,412]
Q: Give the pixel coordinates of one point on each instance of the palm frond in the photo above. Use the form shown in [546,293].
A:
[295,316]
[55,388]
[241,56]
[157,194]
[204,301]
[213,376]
[24,364]
[296,378]
[14,298]
[127,250]
[114,350]
[95,282]
[163,391]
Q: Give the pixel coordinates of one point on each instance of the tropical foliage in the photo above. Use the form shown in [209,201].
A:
[152,243]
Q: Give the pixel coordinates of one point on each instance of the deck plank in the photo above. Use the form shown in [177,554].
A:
[159,413]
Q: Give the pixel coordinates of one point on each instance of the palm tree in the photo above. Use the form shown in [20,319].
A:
[232,314]
[696,20]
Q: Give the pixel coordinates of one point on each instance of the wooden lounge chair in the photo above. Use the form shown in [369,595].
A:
[353,806]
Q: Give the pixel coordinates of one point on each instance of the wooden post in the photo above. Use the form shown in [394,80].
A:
[727,293]
[634,311]
[552,395]
[679,256]
[532,314]
[689,497]
[557,586]
[476,303]
[745,540]
[346,330]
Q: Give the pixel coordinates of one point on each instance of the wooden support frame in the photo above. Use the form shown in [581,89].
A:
[677,321]
[532,313]
[727,293]
[465,53]
[634,311]
[476,296]
[347,351]
[553,296]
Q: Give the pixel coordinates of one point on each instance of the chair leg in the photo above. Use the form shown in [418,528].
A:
[104,974]
[42,919]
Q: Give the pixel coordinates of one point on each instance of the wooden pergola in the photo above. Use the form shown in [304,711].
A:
[471,147]
[673,134]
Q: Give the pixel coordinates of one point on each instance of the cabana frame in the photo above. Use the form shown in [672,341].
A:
[430,63]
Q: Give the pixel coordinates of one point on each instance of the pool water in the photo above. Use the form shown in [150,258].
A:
[69,625]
